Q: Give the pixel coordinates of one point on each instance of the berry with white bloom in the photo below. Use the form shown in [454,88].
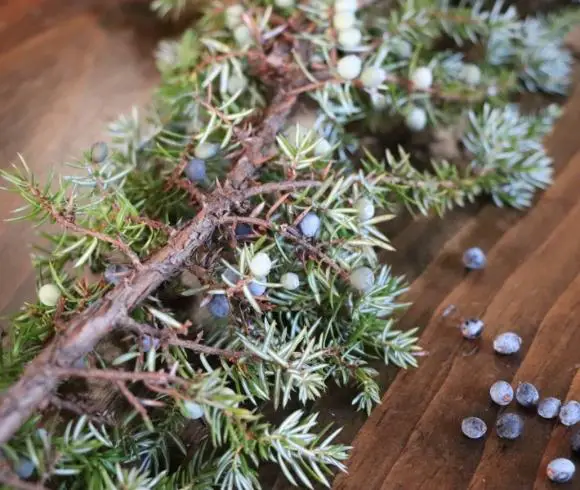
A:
[290,281]
[501,393]
[373,76]
[548,408]
[345,5]
[49,294]
[349,67]
[473,427]
[422,78]
[257,288]
[310,225]
[416,119]
[402,48]
[195,170]
[349,38]
[472,328]
[260,265]
[362,278]
[243,35]
[365,208]
[234,15]
[219,306]
[560,470]
[206,150]
[474,258]
[471,74]
[343,20]
[148,343]
[527,395]
[509,426]
[323,147]
[25,468]
[284,4]
[570,413]
[193,410]
[507,343]
[237,83]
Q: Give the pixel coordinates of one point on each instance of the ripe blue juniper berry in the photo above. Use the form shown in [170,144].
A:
[256,288]
[195,170]
[310,225]
[25,468]
[99,152]
[474,258]
[472,328]
[243,229]
[527,395]
[219,306]
[570,413]
[501,393]
[509,426]
[560,470]
[548,408]
[473,427]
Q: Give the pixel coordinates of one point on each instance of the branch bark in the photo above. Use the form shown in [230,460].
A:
[34,388]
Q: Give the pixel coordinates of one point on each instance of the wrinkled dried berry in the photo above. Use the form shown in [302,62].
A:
[472,328]
[473,427]
[527,395]
[507,343]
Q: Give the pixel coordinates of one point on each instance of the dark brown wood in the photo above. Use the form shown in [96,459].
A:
[69,67]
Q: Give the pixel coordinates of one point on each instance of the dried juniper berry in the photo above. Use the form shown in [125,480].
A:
[560,470]
[527,395]
[575,442]
[570,413]
[472,328]
[219,306]
[474,258]
[473,427]
[548,408]
[501,393]
[507,343]
[509,426]
[310,225]
[195,170]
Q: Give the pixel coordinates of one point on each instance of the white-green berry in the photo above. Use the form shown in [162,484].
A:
[206,150]
[473,427]
[257,287]
[49,294]
[260,265]
[471,74]
[284,4]
[243,35]
[416,119]
[373,76]
[570,413]
[193,410]
[362,278]
[560,470]
[507,343]
[509,426]
[349,38]
[527,395]
[365,208]
[422,78]
[345,5]
[343,20]
[549,408]
[234,15]
[501,393]
[290,281]
[323,147]
[237,83]
[310,225]
[349,67]
[402,48]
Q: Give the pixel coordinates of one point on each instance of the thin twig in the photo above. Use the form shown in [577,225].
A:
[134,401]
[61,404]
[280,186]
[116,375]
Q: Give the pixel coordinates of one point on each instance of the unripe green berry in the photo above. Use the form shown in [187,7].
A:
[345,5]
[349,67]
[234,16]
[206,150]
[243,35]
[349,38]
[49,294]
[416,119]
[343,20]
[323,147]
[260,265]
[362,278]
[236,83]
[290,281]
[365,208]
[284,4]
[373,76]
[193,410]
[422,78]
[471,74]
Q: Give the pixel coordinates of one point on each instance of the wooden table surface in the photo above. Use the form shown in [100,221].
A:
[69,67]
